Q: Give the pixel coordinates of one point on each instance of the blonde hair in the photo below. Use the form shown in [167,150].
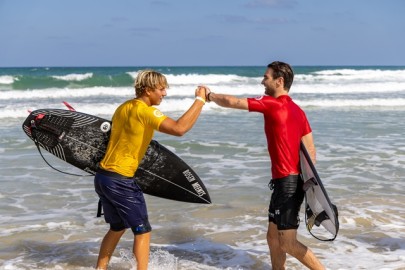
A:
[149,79]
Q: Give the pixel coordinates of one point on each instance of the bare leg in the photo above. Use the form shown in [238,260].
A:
[289,243]
[141,250]
[107,248]
[277,255]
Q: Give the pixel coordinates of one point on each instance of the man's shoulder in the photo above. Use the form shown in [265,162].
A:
[264,98]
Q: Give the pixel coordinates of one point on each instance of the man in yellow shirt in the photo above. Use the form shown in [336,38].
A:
[133,125]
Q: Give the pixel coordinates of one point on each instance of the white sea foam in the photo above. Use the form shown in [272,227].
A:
[74,77]
[6,79]
[353,103]
[348,88]
[158,259]
[38,227]
[208,79]
[225,257]
[65,93]
[331,75]
[360,159]
[170,105]
[347,75]
[248,90]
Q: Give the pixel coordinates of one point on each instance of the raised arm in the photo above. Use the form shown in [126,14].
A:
[187,120]
[228,101]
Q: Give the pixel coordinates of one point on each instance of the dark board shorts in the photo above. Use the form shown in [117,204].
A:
[285,202]
[123,202]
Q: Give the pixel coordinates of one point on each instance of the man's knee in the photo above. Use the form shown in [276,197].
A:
[272,236]
[286,246]
[272,241]
[287,241]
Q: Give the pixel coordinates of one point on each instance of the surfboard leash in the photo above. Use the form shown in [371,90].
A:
[73,174]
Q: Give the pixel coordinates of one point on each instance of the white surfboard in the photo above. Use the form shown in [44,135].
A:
[321,216]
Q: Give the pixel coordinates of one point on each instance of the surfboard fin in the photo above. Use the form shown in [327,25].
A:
[315,218]
[309,183]
[69,106]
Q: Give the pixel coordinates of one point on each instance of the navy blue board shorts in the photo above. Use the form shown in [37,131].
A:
[285,202]
[123,202]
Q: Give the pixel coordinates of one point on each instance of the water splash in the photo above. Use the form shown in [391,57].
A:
[158,260]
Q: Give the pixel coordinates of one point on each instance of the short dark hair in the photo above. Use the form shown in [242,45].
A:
[284,70]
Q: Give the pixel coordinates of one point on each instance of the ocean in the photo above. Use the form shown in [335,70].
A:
[357,116]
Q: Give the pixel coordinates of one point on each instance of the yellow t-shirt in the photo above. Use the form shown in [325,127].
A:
[133,125]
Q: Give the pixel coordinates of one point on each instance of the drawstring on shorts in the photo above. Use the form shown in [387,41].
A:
[271,185]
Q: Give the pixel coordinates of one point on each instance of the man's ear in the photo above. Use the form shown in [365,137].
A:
[280,81]
[148,91]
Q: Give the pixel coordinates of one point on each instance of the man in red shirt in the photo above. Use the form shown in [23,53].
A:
[285,125]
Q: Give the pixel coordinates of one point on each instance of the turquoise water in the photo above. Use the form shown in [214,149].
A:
[81,77]
[356,113]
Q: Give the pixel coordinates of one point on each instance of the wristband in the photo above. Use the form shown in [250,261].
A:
[208,97]
[200,98]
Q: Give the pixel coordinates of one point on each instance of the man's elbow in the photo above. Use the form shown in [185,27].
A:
[179,131]
[180,134]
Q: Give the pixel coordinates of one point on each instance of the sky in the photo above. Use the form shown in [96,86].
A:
[201,32]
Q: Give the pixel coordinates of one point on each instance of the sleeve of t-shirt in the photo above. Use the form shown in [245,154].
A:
[307,126]
[153,117]
[255,104]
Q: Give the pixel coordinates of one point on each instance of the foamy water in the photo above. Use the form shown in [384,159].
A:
[48,219]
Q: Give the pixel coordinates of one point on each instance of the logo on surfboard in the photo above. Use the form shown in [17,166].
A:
[105,127]
[197,187]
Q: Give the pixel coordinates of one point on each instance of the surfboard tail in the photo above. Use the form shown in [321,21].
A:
[321,225]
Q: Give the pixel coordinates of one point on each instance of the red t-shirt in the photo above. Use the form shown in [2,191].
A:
[285,123]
